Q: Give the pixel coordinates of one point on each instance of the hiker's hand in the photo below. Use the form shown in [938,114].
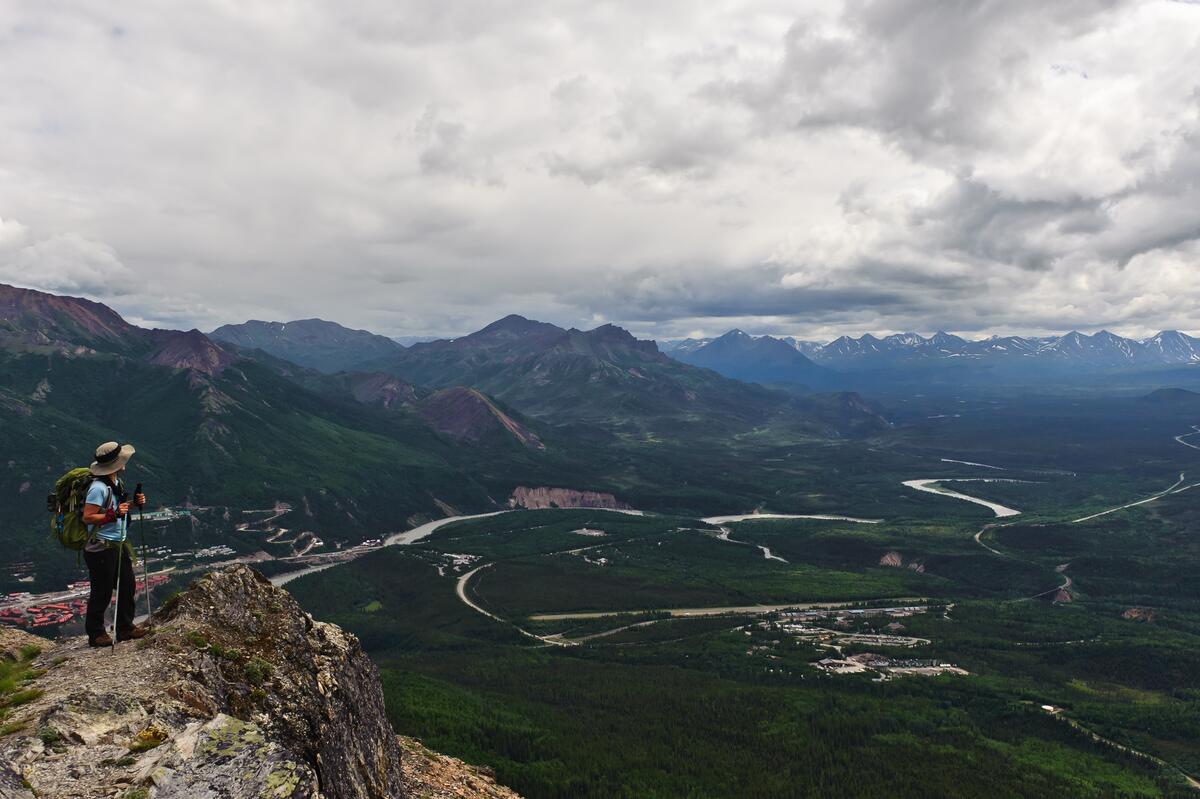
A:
[140,500]
[123,509]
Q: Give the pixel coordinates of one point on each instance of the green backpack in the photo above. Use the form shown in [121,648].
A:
[70,494]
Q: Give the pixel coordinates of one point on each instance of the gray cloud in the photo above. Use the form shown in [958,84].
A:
[63,262]
[423,167]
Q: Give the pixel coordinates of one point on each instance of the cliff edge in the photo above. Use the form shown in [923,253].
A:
[237,693]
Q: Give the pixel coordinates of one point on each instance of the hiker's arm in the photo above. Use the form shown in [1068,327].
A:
[139,500]
[94,514]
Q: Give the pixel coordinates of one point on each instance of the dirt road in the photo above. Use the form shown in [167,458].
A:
[460,589]
[699,612]
[979,539]
[1181,438]
[1174,489]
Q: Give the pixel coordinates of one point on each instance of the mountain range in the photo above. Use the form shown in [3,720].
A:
[604,377]
[737,354]
[394,435]
[1103,349]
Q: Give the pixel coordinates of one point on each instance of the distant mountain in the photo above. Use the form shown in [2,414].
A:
[868,348]
[36,322]
[760,359]
[1174,397]
[845,348]
[1074,349]
[678,346]
[33,319]
[316,343]
[944,357]
[408,341]
[807,348]
[546,370]
[602,377]
[1171,346]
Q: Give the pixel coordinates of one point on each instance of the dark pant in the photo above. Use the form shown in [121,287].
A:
[102,571]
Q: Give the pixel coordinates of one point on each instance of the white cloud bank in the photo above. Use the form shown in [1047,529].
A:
[418,166]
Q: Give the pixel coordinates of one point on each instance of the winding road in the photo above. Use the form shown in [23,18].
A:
[1181,438]
[979,540]
[460,588]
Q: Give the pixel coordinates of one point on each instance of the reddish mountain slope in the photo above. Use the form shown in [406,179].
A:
[189,350]
[466,414]
[34,318]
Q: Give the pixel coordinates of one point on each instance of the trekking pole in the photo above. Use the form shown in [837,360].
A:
[117,605]
[120,555]
[137,492]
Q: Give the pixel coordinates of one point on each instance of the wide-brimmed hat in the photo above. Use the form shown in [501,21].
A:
[111,457]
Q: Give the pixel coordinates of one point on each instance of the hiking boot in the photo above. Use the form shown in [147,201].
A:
[103,639]
[134,632]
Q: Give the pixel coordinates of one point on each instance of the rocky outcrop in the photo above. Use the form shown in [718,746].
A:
[238,693]
[1139,614]
[544,497]
[892,559]
[429,775]
[895,560]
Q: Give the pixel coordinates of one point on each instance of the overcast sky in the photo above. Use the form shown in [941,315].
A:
[423,167]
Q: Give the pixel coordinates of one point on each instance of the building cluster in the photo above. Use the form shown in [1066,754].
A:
[835,628]
[219,551]
[838,623]
[850,614]
[887,667]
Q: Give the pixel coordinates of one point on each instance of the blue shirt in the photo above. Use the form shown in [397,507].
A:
[101,494]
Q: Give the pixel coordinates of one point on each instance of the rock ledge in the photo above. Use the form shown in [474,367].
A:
[238,693]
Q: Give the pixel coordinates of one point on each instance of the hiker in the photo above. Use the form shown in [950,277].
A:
[106,516]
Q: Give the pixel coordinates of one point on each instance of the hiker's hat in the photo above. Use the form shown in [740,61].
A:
[111,457]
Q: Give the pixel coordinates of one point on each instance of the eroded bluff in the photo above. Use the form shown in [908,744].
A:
[238,693]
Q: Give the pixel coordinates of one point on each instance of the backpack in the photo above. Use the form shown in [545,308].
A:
[70,494]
